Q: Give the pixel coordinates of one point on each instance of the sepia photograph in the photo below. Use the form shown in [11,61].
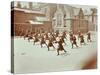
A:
[52,37]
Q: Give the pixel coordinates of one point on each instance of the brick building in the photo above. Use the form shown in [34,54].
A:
[34,21]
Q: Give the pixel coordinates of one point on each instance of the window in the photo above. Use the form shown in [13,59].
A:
[59,20]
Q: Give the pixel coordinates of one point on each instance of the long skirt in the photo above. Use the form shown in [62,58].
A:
[60,48]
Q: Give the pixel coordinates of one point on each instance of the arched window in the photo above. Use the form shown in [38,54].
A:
[59,20]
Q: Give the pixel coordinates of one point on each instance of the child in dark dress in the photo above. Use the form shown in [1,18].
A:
[42,41]
[35,40]
[60,47]
[82,39]
[50,44]
[74,42]
[89,37]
